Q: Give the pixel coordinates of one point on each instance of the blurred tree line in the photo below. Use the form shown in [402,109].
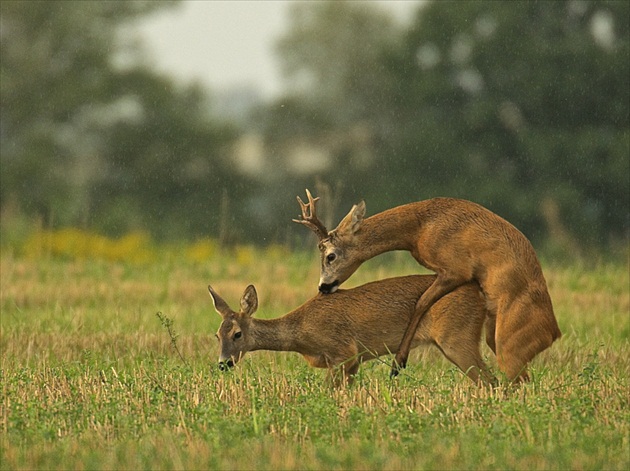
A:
[520,106]
[93,137]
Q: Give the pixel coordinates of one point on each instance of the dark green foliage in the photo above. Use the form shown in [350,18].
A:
[92,137]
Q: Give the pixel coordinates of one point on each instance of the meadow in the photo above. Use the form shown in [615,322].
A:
[93,378]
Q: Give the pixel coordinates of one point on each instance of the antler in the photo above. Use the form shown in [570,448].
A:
[309,217]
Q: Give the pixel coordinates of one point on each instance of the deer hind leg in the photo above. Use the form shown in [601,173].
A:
[490,327]
[521,334]
[459,339]
[441,286]
[465,354]
[513,366]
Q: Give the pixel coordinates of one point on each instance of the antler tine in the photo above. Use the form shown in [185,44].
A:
[309,216]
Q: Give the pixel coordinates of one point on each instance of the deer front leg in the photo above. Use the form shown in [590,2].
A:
[441,286]
[343,375]
[342,369]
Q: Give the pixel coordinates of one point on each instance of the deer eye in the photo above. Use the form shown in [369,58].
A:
[331,257]
[238,335]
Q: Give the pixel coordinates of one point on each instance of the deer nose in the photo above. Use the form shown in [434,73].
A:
[328,288]
[225,365]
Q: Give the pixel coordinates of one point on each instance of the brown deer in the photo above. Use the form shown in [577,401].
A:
[341,331]
[460,241]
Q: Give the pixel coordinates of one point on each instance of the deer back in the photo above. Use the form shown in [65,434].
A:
[373,317]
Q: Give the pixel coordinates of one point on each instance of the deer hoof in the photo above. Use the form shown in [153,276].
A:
[226,365]
[396,367]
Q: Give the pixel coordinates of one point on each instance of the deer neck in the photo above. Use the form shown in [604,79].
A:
[390,230]
[282,334]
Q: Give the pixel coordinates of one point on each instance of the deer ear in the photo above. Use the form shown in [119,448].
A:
[219,304]
[351,223]
[249,301]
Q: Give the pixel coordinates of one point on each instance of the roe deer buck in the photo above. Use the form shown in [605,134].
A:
[359,324]
[460,241]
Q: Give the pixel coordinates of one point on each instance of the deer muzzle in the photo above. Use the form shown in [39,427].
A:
[224,365]
[329,288]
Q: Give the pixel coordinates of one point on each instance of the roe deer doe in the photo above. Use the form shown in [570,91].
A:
[460,241]
[359,324]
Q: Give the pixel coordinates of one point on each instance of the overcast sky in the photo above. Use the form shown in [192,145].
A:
[227,43]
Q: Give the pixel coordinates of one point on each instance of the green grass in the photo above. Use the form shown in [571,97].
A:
[90,380]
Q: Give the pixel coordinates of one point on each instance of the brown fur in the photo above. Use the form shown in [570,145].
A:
[361,324]
[461,241]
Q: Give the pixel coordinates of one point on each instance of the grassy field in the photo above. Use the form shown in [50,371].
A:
[89,378]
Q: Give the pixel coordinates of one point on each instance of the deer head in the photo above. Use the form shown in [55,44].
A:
[233,332]
[339,249]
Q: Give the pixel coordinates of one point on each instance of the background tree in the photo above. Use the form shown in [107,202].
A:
[164,164]
[92,136]
[331,55]
[521,106]
[56,67]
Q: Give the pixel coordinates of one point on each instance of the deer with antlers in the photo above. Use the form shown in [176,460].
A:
[340,332]
[460,241]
